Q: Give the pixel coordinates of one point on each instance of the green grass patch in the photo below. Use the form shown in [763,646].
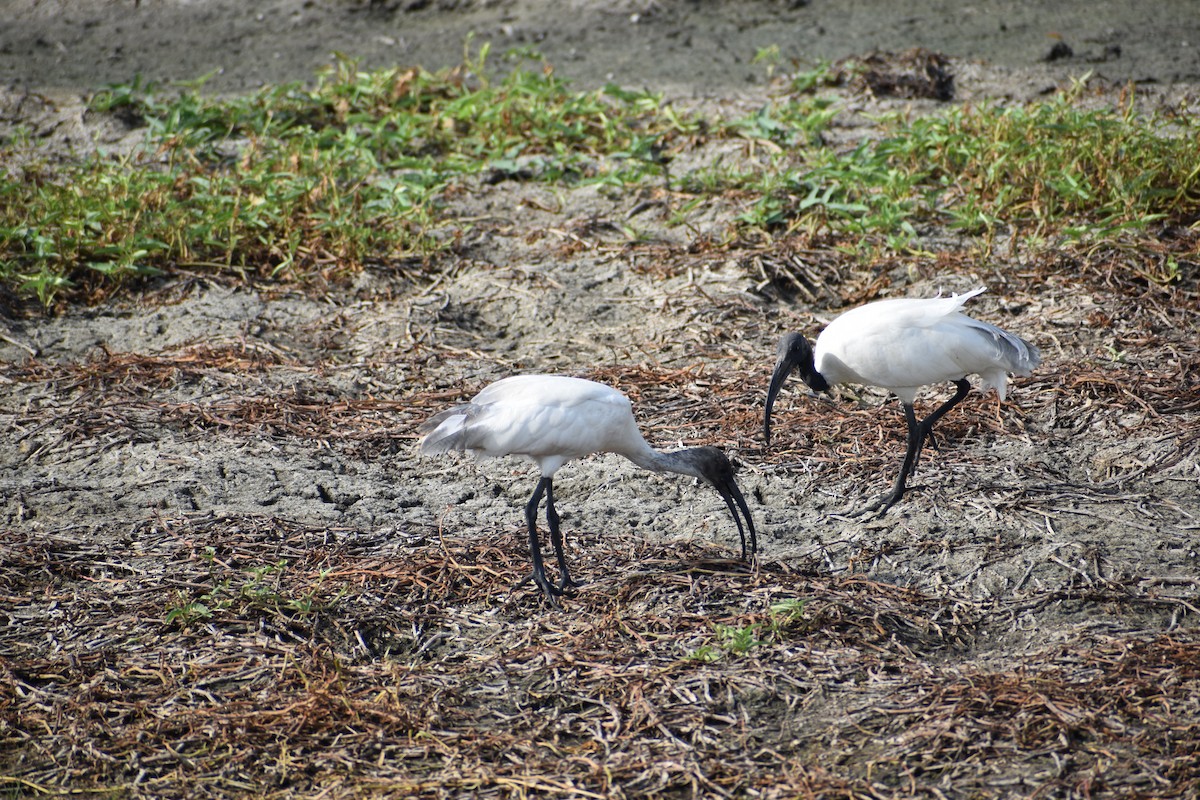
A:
[1046,167]
[294,182]
[266,589]
[783,618]
[290,181]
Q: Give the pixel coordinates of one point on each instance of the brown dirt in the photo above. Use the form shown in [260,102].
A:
[1024,624]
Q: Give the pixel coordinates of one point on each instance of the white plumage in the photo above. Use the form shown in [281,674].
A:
[551,419]
[903,345]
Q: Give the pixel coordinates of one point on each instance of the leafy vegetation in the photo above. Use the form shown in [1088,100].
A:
[782,617]
[976,168]
[290,183]
[263,589]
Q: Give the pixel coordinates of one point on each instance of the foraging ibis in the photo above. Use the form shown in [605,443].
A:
[902,345]
[551,419]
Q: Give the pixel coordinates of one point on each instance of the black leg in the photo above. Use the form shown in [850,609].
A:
[963,387]
[557,540]
[535,550]
[917,433]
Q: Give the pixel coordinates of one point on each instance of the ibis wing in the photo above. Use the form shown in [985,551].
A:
[1014,353]
[447,430]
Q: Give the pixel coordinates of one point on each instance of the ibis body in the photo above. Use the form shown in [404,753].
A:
[551,419]
[902,345]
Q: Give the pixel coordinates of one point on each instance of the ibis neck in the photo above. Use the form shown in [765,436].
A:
[647,457]
[815,380]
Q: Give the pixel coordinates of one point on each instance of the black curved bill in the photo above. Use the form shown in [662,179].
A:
[730,493]
[783,368]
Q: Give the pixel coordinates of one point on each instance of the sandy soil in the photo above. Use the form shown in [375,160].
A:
[700,47]
[1067,518]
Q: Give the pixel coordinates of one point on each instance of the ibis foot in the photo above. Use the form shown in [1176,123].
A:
[564,588]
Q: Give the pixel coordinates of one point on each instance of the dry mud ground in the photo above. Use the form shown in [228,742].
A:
[225,571]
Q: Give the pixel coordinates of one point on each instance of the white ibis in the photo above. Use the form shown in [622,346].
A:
[551,419]
[902,345]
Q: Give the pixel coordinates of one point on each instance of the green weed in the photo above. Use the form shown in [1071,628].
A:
[296,183]
[289,182]
[266,589]
[1043,167]
[740,640]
